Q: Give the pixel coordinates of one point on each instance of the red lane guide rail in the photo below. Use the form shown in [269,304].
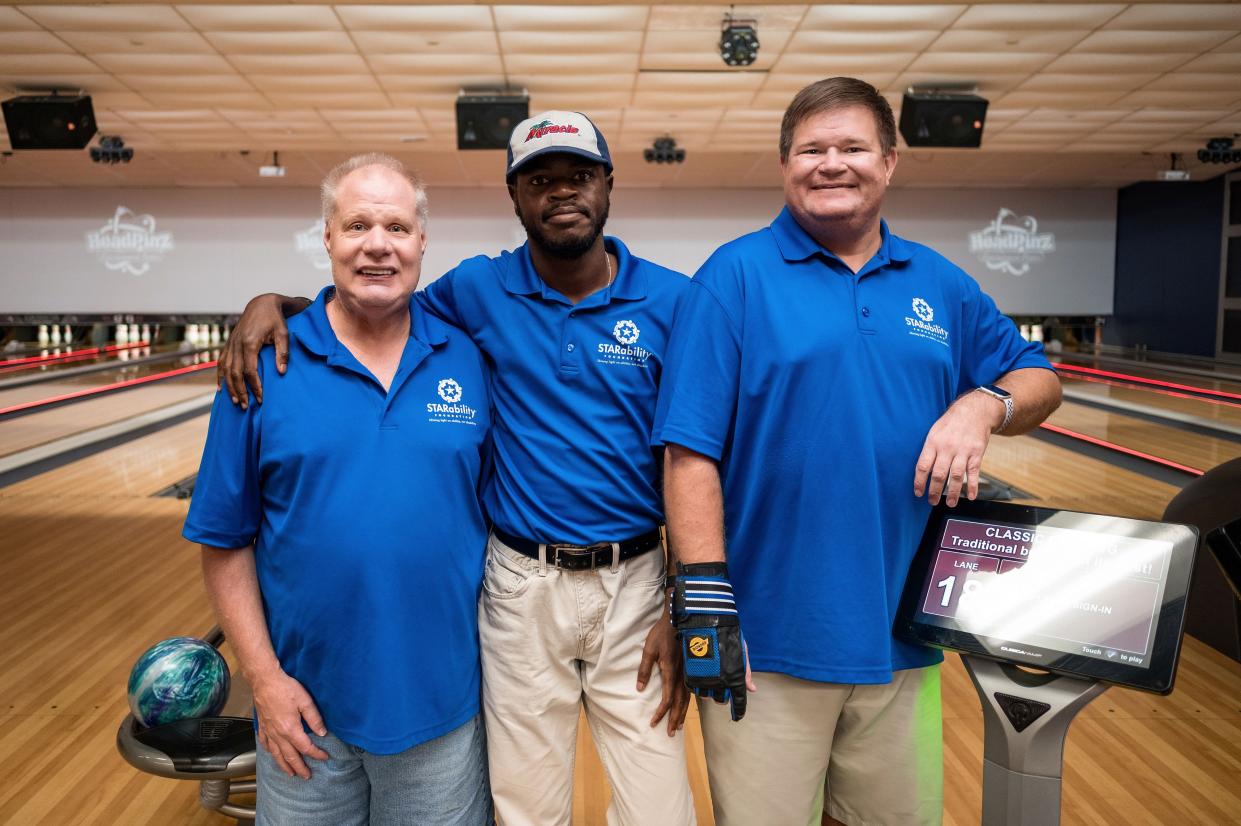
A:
[1198,392]
[1149,457]
[26,362]
[106,388]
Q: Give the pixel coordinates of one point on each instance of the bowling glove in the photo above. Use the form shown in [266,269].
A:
[709,631]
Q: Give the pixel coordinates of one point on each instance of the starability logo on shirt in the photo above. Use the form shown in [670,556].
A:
[1011,243]
[626,351]
[451,409]
[129,242]
[546,127]
[922,326]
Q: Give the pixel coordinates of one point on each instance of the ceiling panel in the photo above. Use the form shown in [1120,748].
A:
[416,18]
[881,18]
[281,42]
[113,18]
[139,42]
[404,42]
[247,17]
[1163,17]
[1037,16]
[576,18]
[1132,42]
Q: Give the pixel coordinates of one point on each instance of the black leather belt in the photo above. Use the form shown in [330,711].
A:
[581,557]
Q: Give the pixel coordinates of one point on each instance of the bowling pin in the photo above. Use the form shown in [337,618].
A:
[215,335]
[67,335]
[227,330]
[191,334]
[146,333]
[44,338]
[122,334]
[55,335]
[1036,332]
[1025,331]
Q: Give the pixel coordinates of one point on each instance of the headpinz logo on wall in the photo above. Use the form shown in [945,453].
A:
[546,127]
[309,243]
[129,242]
[1011,243]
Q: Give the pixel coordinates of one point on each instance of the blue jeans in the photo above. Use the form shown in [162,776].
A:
[442,782]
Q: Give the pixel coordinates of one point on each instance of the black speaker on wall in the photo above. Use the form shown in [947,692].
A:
[49,121]
[942,119]
[485,121]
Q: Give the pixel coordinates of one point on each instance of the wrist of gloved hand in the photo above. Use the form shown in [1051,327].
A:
[704,612]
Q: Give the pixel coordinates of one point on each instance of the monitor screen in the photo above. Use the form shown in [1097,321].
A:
[1099,597]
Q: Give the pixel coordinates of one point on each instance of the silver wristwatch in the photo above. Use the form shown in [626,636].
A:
[997,392]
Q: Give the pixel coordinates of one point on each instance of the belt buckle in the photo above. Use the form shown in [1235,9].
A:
[570,557]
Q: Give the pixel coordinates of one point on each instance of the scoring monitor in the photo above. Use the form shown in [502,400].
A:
[1092,596]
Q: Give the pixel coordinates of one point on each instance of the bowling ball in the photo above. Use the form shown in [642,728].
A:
[178,679]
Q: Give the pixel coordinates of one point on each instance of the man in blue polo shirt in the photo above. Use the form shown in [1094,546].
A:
[342,535]
[575,329]
[828,382]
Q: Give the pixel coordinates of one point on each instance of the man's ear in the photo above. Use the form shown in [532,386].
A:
[327,236]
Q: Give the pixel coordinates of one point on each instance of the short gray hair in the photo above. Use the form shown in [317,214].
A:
[327,190]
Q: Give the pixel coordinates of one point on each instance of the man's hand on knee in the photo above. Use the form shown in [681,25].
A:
[709,629]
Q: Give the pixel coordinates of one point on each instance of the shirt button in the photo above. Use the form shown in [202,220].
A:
[866,312]
[570,348]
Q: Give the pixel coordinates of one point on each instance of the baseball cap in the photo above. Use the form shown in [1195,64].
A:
[556,131]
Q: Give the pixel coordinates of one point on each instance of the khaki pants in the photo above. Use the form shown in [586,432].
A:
[874,751]
[554,641]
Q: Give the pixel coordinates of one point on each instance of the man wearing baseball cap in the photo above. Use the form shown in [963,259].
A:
[575,329]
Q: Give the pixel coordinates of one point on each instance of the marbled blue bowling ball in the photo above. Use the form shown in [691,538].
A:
[178,679]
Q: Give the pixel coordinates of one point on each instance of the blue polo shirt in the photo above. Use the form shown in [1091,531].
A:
[368,535]
[814,388]
[574,388]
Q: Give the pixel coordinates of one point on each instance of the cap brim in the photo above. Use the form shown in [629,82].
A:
[563,150]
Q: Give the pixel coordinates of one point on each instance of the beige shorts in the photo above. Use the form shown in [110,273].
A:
[873,752]
[557,642]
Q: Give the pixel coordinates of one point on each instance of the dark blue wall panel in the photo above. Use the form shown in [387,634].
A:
[1167,266]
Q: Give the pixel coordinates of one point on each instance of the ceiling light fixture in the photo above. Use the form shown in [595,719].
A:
[738,41]
[1220,150]
[664,150]
[111,149]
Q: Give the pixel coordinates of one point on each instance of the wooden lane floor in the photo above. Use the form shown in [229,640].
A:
[1182,446]
[95,571]
[117,371]
[1227,414]
[68,419]
[73,361]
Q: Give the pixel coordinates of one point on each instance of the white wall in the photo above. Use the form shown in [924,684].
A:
[209,250]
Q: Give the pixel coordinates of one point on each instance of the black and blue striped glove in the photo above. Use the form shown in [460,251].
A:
[709,630]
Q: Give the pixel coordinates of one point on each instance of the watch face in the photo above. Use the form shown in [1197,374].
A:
[998,392]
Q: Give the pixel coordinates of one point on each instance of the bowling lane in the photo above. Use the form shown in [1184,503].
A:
[1223,413]
[120,371]
[67,420]
[1060,478]
[1202,373]
[1185,447]
[82,358]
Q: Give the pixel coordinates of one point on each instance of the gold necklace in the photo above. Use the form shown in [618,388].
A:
[607,259]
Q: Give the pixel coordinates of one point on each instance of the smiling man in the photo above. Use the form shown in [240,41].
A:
[573,611]
[828,382]
[310,506]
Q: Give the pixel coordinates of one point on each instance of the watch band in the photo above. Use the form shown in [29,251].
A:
[1002,395]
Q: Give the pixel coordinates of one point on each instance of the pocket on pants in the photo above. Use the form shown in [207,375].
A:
[647,570]
[504,578]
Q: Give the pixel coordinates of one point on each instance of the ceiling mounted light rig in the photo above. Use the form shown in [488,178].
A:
[664,151]
[1219,150]
[738,41]
[111,149]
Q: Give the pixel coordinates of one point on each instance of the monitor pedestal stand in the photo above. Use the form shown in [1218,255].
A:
[1025,719]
